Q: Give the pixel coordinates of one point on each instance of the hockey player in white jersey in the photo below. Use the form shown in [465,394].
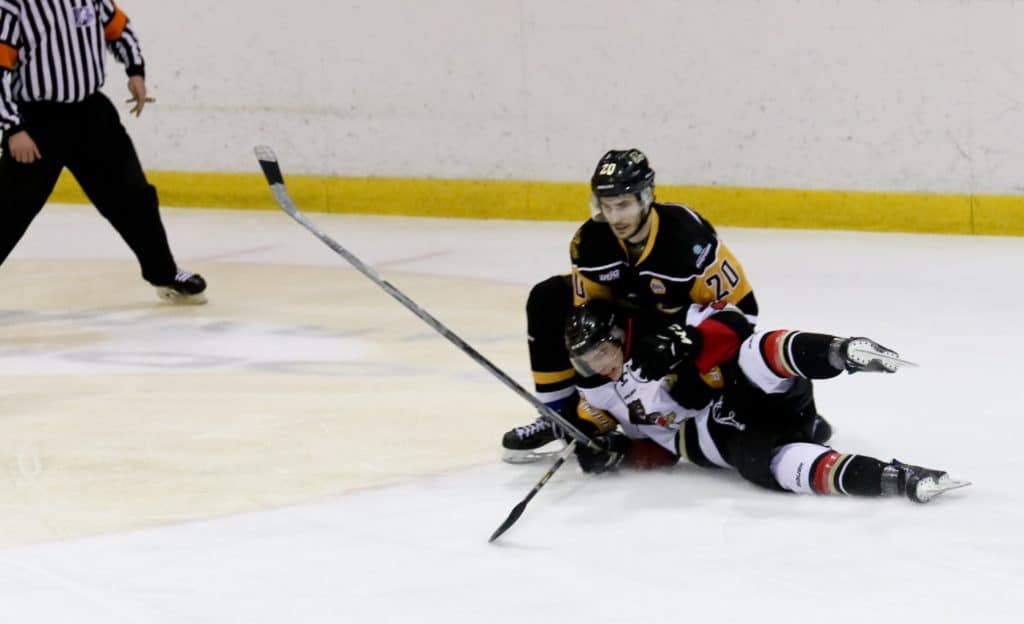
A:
[763,423]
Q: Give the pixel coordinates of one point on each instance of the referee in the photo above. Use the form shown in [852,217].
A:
[52,65]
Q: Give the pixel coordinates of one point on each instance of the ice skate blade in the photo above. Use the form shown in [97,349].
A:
[886,360]
[529,456]
[172,296]
[929,488]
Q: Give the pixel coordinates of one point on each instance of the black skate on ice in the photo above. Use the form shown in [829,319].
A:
[532,442]
[865,355]
[187,288]
[916,483]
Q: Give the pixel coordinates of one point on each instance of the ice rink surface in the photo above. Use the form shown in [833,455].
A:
[303,449]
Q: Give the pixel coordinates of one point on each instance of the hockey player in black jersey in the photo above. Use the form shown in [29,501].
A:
[654,258]
[758,425]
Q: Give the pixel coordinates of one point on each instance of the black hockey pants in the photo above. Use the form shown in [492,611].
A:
[86,137]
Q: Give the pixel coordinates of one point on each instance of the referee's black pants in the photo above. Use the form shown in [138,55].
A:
[86,137]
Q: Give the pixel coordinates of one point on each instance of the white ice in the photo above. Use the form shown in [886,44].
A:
[681,545]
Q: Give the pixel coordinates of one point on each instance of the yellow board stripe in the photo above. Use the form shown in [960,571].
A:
[500,199]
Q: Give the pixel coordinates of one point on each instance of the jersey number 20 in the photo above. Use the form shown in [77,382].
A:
[717,282]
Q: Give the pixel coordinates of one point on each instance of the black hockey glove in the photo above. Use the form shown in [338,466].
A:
[655,355]
[614,447]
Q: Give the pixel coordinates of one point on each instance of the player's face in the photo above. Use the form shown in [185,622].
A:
[605,359]
[624,214]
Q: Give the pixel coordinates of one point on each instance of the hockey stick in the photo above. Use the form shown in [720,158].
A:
[272,171]
[521,507]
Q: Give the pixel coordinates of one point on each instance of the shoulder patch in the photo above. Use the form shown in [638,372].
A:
[574,246]
[702,252]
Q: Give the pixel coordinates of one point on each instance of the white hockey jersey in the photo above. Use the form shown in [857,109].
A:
[643,409]
[646,409]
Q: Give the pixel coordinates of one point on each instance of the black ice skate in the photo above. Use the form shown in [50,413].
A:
[532,442]
[865,355]
[916,483]
[187,288]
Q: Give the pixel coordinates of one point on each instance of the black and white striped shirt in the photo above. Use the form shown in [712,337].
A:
[52,51]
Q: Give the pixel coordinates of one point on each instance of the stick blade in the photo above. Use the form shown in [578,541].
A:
[268,163]
[512,517]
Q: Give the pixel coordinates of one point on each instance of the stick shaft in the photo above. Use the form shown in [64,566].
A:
[272,171]
[521,507]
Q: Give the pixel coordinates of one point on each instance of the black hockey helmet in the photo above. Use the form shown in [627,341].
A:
[621,172]
[588,326]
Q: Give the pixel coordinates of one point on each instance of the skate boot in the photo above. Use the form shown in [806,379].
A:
[187,288]
[532,442]
[818,431]
[916,483]
[864,355]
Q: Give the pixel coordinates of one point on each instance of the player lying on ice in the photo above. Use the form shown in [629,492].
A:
[764,423]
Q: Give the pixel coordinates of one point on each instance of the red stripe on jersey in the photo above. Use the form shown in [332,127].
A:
[822,478]
[775,354]
[720,344]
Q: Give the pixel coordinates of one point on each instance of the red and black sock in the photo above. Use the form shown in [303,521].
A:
[854,475]
[798,354]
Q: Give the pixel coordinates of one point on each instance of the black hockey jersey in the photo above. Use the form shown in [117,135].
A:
[682,263]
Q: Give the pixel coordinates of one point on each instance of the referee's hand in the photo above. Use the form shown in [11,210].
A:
[137,87]
[23,148]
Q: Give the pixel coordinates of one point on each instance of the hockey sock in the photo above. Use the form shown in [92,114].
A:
[855,475]
[815,469]
[799,354]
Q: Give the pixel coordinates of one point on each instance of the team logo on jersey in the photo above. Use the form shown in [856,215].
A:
[84,16]
[668,421]
[639,416]
[657,287]
[574,247]
[637,413]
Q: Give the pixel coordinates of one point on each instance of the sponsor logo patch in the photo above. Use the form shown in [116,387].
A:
[614,274]
[657,287]
[703,256]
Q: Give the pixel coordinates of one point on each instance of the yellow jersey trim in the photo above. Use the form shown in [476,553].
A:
[655,222]
[552,378]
